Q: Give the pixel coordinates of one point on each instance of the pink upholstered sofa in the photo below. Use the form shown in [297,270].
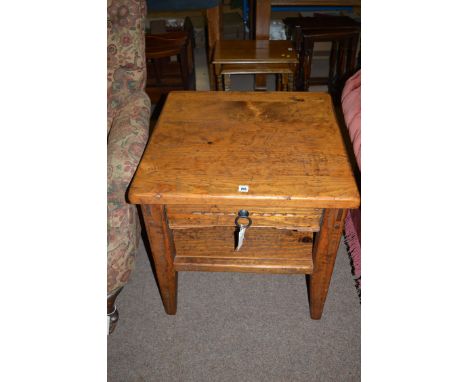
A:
[351,107]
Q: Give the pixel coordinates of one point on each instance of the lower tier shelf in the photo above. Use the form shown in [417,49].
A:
[265,250]
[204,264]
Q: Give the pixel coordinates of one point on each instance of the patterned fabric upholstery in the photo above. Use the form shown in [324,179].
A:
[128,114]
[181,5]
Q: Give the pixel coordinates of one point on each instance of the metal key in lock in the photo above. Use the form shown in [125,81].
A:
[242,214]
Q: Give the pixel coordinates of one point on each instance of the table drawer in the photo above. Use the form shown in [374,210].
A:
[196,216]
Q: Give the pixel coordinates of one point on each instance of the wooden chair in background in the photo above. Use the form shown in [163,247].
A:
[343,34]
[170,64]
[342,61]
[213,17]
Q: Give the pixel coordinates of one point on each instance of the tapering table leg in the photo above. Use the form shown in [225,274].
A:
[163,253]
[324,254]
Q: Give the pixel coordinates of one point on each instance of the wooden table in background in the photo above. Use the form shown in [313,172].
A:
[252,57]
[284,148]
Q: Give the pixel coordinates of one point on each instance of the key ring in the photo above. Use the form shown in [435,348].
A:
[243,214]
[243,217]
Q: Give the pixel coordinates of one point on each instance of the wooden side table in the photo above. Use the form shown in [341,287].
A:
[255,57]
[215,156]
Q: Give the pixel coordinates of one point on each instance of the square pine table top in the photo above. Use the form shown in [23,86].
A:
[249,148]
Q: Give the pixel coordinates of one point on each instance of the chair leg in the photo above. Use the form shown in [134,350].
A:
[112,312]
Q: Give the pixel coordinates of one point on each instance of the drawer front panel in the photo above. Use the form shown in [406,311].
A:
[195,216]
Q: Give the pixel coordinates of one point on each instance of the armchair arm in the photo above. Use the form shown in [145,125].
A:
[351,105]
[126,142]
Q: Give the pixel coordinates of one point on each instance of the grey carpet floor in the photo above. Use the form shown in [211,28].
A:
[236,327]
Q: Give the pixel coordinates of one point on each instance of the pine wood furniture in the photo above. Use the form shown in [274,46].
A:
[285,148]
[254,57]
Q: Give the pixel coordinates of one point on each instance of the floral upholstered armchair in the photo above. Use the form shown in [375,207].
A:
[128,114]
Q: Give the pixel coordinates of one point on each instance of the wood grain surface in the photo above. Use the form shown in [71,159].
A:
[253,68]
[163,253]
[216,264]
[324,254]
[285,146]
[301,219]
[255,52]
[265,250]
